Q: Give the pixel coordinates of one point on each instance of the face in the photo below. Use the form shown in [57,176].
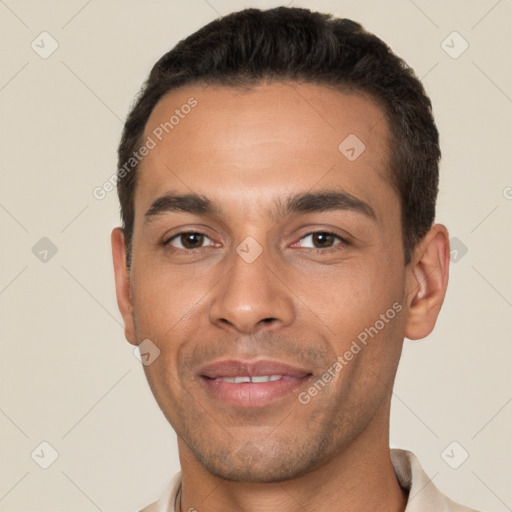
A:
[262,248]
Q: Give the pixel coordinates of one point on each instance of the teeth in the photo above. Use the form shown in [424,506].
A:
[247,378]
[226,379]
[260,378]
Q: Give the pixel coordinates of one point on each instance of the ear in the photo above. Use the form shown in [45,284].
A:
[427,281]
[124,301]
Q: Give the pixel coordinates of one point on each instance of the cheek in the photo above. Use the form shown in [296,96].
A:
[164,298]
[351,296]
[360,301]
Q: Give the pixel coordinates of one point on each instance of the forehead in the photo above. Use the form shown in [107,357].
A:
[271,139]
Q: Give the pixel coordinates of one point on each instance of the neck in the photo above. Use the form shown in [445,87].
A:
[359,478]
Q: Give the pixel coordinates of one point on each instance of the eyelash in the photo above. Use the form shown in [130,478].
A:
[168,245]
[342,241]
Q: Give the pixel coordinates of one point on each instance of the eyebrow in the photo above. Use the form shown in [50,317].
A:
[188,203]
[322,201]
[308,202]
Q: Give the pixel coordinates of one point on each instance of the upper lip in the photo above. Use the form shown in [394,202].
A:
[240,368]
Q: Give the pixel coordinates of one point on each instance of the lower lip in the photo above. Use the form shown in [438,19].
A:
[250,394]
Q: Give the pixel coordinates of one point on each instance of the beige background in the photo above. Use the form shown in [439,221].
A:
[68,377]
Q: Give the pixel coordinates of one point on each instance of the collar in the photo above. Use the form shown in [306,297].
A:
[423,494]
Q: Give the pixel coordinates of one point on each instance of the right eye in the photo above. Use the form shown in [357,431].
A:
[188,240]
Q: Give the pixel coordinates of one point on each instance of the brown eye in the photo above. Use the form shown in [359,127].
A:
[188,240]
[323,240]
[320,240]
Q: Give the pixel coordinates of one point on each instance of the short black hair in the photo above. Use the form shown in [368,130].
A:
[254,46]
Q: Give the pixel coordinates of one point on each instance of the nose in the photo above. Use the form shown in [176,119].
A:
[251,297]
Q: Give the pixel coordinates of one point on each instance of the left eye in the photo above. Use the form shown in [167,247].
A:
[190,240]
[320,240]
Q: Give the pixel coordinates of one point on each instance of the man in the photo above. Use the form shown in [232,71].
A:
[277,178]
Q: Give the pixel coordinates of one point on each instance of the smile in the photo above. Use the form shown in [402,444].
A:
[254,378]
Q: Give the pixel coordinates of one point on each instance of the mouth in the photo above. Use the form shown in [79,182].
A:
[254,379]
[252,384]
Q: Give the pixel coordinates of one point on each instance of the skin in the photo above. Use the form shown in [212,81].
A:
[302,301]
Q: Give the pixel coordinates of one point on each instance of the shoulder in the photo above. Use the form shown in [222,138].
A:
[166,501]
[423,494]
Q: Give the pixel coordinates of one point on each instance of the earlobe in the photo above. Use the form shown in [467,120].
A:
[427,282]
[123,284]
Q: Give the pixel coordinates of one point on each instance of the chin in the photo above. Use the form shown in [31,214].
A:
[250,464]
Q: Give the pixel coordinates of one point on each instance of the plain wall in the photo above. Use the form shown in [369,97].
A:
[67,375]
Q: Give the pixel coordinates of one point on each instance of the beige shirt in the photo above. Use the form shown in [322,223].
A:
[423,494]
